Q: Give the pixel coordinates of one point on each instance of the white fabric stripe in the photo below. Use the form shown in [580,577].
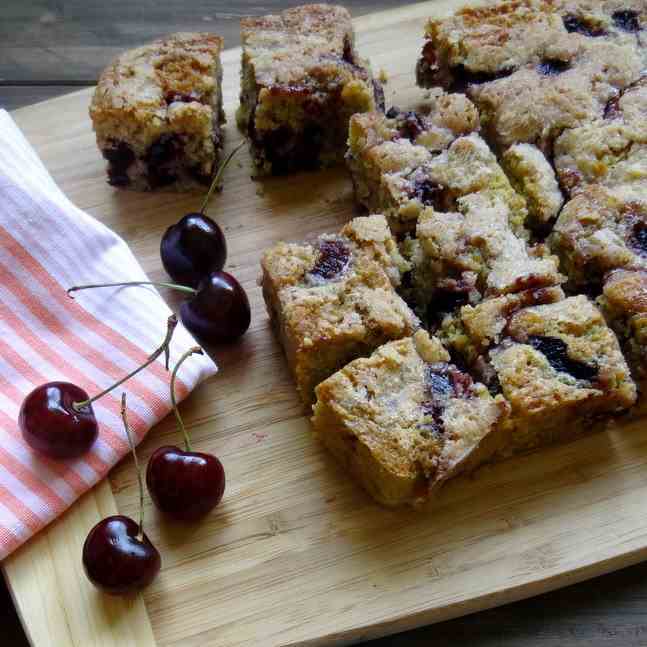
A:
[15,378]
[12,523]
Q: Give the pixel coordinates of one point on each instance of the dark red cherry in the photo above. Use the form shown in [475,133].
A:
[117,558]
[183,484]
[193,248]
[51,424]
[219,310]
[57,418]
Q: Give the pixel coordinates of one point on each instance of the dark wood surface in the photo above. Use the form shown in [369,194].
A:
[50,47]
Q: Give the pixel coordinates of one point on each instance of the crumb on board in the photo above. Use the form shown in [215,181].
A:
[383,76]
[259,191]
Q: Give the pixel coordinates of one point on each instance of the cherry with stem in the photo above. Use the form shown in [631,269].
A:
[217,312]
[57,418]
[118,557]
[196,245]
[184,484]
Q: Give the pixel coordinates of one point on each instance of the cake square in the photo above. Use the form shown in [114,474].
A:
[301,80]
[402,163]
[558,364]
[610,151]
[334,300]
[624,304]
[465,256]
[405,420]
[157,113]
[597,232]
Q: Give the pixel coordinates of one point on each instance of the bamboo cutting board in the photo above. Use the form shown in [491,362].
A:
[296,553]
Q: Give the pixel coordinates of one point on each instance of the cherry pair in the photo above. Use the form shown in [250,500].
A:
[117,556]
[193,252]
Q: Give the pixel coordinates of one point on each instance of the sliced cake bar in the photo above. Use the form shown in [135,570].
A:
[465,256]
[301,80]
[334,300]
[405,420]
[402,163]
[558,364]
[157,113]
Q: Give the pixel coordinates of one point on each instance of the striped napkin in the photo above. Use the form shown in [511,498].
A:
[47,245]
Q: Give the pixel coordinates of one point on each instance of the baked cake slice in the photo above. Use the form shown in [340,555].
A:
[157,113]
[465,256]
[610,151]
[558,364]
[334,300]
[405,420]
[301,80]
[624,304]
[598,231]
[402,163]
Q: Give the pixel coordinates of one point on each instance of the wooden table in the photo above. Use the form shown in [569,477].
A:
[50,47]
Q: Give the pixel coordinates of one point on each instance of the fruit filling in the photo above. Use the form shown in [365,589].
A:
[556,352]
[333,259]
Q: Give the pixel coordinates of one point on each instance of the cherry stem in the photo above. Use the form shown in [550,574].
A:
[131,442]
[219,172]
[126,284]
[195,350]
[164,348]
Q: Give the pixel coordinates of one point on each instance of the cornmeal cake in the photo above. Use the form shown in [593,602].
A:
[597,232]
[334,300]
[405,420]
[465,256]
[403,163]
[157,113]
[301,80]
[536,67]
[558,364]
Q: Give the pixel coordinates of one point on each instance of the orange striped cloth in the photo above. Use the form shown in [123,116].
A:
[47,245]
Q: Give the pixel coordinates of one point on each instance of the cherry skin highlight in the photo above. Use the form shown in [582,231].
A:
[193,248]
[117,558]
[185,485]
[51,423]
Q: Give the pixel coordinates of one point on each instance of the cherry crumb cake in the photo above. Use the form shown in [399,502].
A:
[157,113]
[558,364]
[334,300]
[517,194]
[301,80]
[406,419]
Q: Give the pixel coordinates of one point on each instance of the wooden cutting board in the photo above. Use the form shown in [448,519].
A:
[296,553]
